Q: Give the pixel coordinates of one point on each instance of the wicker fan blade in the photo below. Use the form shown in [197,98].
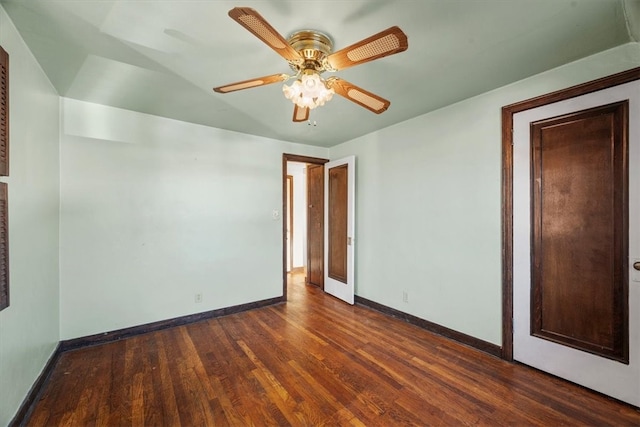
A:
[259,27]
[358,95]
[247,84]
[300,114]
[387,42]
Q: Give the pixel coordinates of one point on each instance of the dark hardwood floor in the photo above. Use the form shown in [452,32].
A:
[312,361]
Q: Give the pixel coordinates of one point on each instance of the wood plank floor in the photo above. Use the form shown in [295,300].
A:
[312,361]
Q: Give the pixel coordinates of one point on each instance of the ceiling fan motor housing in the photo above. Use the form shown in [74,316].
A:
[314,47]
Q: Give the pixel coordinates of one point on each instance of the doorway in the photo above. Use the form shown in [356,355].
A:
[303,247]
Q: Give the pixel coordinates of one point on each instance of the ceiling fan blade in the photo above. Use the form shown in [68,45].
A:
[247,84]
[300,114]
[387,42]
[259,27]
[358,95]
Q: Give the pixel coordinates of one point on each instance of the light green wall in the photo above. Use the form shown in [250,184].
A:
[155,210]
[29,326]
[429,203]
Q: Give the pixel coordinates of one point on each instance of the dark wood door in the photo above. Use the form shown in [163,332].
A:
[315,225]
[337,236]
[579,231]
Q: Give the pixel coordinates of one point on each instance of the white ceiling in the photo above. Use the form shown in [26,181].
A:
[163,57]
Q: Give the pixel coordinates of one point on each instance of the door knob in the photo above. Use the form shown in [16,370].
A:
[636,265]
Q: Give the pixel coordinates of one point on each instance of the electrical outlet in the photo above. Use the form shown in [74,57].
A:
[405,296]
[198,297]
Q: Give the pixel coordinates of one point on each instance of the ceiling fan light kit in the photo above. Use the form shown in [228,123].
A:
[309,54]
[309,91]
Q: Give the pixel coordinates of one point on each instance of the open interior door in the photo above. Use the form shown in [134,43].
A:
[339,190]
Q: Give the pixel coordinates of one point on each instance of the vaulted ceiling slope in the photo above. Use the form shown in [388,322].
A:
[164,57]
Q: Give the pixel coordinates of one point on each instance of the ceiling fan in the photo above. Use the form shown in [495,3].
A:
[309,53]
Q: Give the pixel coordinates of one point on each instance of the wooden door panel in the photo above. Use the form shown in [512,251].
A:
[338,200]
[315,225]
[579,230]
